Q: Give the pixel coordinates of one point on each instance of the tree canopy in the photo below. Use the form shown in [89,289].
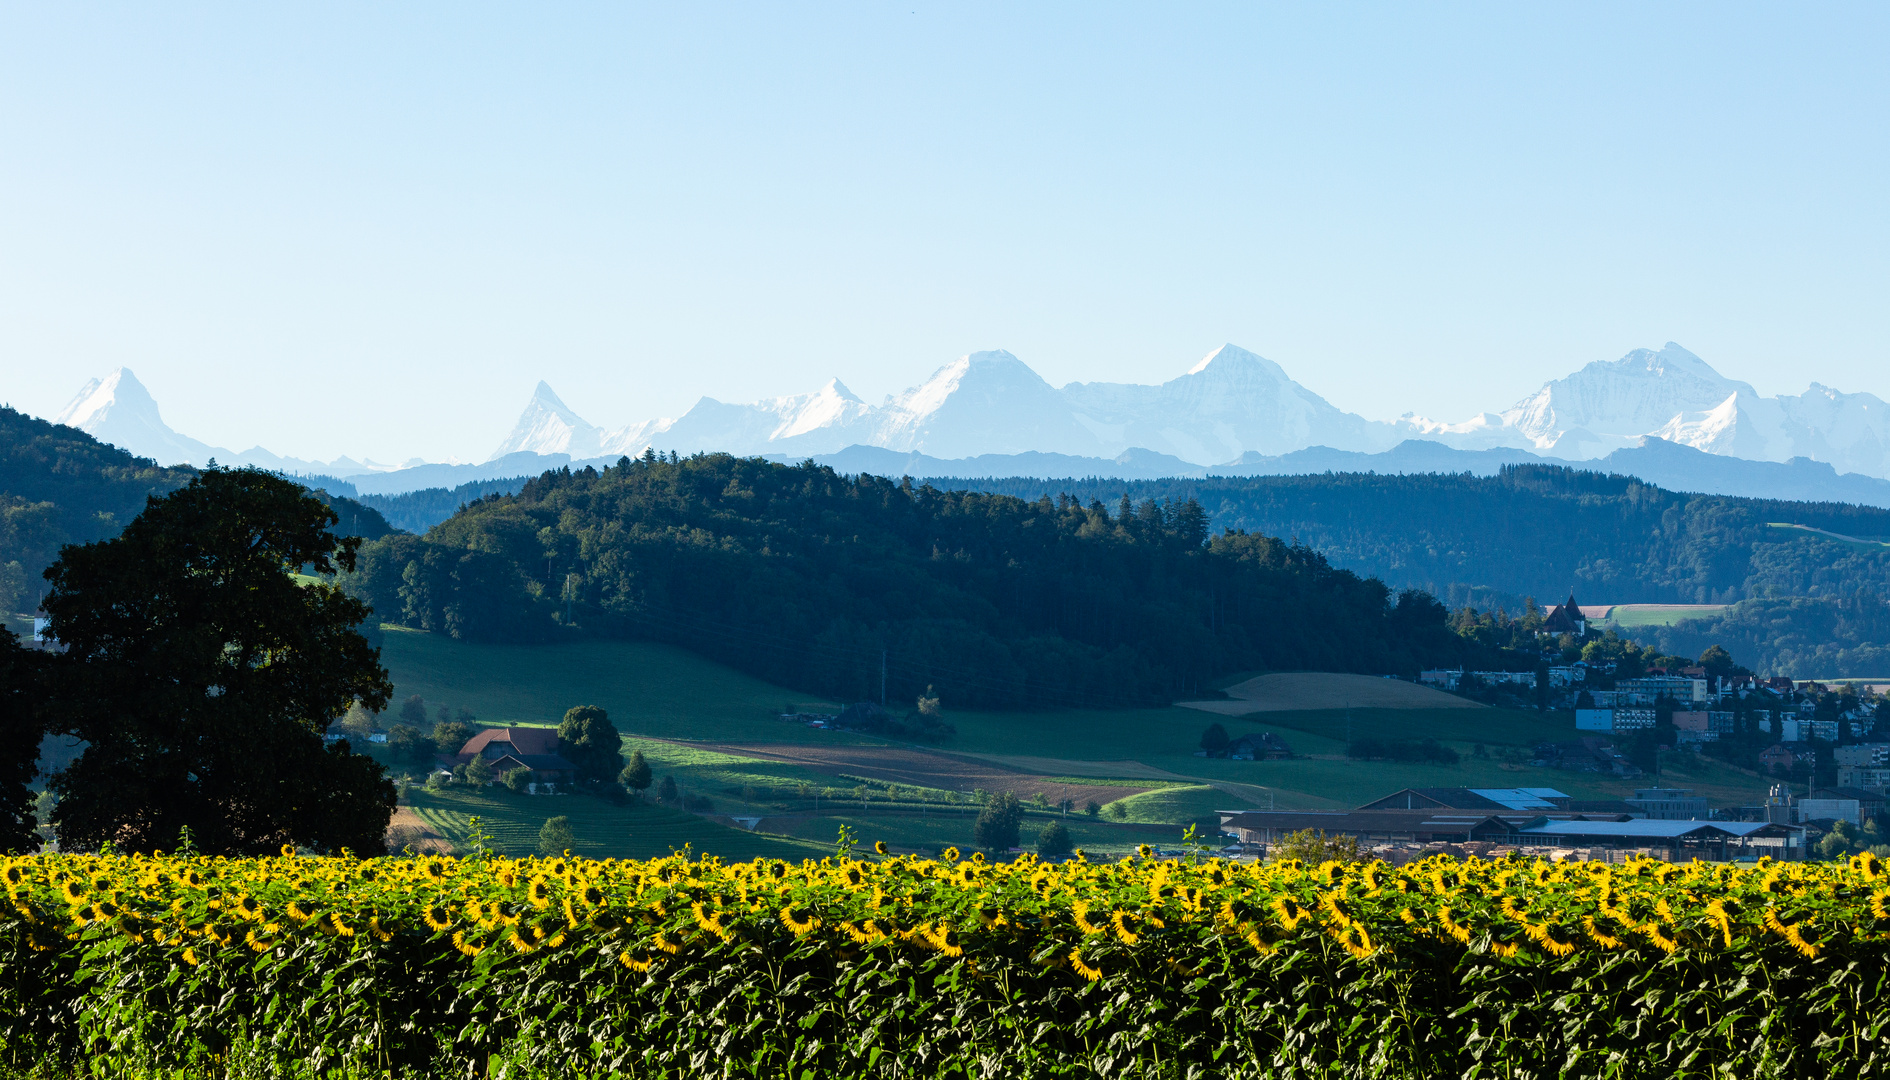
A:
[1535,529]
[200,675]
[868,589]
[588,740]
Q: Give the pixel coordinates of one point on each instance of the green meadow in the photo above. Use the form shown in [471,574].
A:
[679,710]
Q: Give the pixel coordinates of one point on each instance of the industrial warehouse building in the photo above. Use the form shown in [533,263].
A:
[1520,817]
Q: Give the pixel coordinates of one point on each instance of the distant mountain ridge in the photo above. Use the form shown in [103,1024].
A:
[1235,404]
[984,403]
[989,412]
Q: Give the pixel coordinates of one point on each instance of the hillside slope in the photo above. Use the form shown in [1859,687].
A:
[1535,530]
[867,589]
[60,486]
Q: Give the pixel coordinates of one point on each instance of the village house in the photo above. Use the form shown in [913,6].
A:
[1781,757]
[1565,619]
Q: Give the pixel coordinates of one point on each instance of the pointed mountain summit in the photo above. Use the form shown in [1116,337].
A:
[549,426]
[119,410]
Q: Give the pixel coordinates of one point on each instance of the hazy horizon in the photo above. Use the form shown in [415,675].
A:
[416,214]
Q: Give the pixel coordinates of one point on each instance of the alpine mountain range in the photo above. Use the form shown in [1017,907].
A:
[1234,411]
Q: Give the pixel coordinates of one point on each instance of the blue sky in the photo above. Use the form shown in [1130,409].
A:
[370,229]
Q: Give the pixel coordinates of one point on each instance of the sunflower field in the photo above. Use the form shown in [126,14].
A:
[904,967]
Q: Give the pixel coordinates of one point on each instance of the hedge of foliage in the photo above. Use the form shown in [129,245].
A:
[902,967]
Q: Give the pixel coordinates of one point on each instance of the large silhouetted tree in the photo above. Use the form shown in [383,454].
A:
[22,722]
[201,675]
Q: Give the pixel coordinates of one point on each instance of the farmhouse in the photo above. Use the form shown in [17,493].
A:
[1264,746]
[500,750]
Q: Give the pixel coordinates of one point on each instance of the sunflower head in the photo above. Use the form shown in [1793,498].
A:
[879,847]
[800,920]
[950,855]
[1126,924]
[1355,940]
[1144,850]
[1089,974]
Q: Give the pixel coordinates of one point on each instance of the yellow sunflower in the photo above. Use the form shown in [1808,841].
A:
[802,921]
[1091,974]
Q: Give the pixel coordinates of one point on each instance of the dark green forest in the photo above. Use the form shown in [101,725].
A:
[418,511]
[1803,637]
[816,580]
[60,486]
[1536,530]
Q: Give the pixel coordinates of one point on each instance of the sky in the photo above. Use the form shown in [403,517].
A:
[370,229]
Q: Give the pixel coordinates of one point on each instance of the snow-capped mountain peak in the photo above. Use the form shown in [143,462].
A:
[119,395]
[1231,357]
[829,406]
[119,410]
[549,426]
[1231,402]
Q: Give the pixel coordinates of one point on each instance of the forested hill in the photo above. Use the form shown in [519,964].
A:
[819,581]
[1536,530]
[59,486]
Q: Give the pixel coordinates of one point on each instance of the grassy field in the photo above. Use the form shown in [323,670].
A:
[1630,615]
[647,688]
[635,830]
[690,718]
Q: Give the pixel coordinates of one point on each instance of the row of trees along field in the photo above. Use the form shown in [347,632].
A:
[856,586]
[1534,529]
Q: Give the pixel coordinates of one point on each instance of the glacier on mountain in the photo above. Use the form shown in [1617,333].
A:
[1674,395]
[991,402]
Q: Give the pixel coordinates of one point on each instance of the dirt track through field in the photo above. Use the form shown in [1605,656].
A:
[922,768]
[1294,691]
